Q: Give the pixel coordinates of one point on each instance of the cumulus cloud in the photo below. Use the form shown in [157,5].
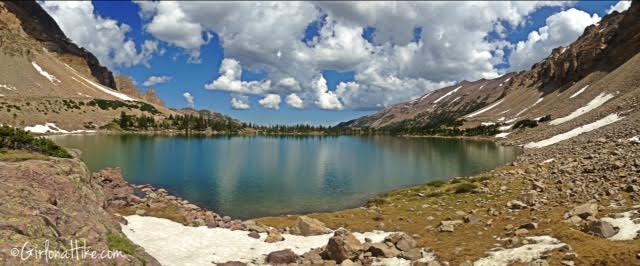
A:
[154,80]
[271,101]
[105,38]
[229,80]
[190,99]
[561,29]
[395,66]
[240,102]
[620,7]
[295,101]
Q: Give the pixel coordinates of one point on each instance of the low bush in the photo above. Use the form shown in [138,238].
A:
[465,188]
[436,183]
[17,139]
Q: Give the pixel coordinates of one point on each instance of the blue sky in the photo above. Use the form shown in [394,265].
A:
[192,77]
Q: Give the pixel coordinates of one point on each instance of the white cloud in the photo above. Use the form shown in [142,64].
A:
[620,7]
[267,37]
[229,80]
[561,29]
[190,99]
[240,102]
[154,80]
[105,38]
[271,101]
[295,101]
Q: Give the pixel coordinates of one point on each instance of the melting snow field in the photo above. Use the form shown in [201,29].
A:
[628,230]
[45,74]
[525,109]
[593,104]
[109,91]
[172,243]
[612,118]
[8,87]
[446,95]
[502,135]
[52,128]
[522,254]
[635,139]
[579,92]
[484,109]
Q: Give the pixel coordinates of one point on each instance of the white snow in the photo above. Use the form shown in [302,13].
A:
[612,118]
[172,243]
[82,94]
[424,96]
[635,139]
[628,230]
[500,85]
[486,124]
[504,112]
[52,128]
[593,104]
[522,254]
[507,80]
[484,109]
[534,104]
[458,98]
[45,74]
[501,119]
[116,94]
[8,87]
[511,120]
[579,92]
[505,128]
[482,86]
[549,160]
[502,135]
[448,93]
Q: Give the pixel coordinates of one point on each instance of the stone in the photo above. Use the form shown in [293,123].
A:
[342,245]
[413,254]
[529,226]
[349,263]
[521,232]
[601,228]
[308,226]
[402,241]
[448,226]
[383,250]
[539,262]
[254,235]
[574,220]
[231,263]
[273,237]
[516,205]
[585,210]
[471,219]
[285,256]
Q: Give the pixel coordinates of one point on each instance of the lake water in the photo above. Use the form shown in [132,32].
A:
[248,177]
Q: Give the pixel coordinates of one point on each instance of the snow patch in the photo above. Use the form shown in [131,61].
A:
[522,254]
[446,95]
[502,135]
[505,128]
[635,139]
[534,104]
[628,230]
[612,118]
[486,124]
[484,109]
[504,112]
[501,119]
[549,160]
[593,104]
[458,98]
[52,128]
[109,91]
[579,92]
[45,74]
[172,243]
[507,80]
[481,87]
[82,94]
[8,87]
[511,120]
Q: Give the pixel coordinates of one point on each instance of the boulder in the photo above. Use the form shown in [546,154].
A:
[342,246]
[601,228]
[308,226]
[383,250]
[232,263]
[402,241]
[448,226]
[585,210]
[413,254]
[273,237]
[285,256]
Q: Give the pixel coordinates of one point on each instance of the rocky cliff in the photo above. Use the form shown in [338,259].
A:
[39,25]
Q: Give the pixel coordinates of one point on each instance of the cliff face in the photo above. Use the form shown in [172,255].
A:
[544,90]
[125,85]
[40,26]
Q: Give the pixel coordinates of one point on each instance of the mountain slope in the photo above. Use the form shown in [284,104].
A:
[594,76]
[48,82]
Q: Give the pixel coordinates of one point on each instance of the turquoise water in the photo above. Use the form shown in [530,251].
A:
[247,177]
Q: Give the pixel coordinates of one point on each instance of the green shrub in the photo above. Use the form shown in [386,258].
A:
[116,242]
[436,183]
[465,188]
[17,139]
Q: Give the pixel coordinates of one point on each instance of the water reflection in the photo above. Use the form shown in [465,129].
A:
[256,176]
